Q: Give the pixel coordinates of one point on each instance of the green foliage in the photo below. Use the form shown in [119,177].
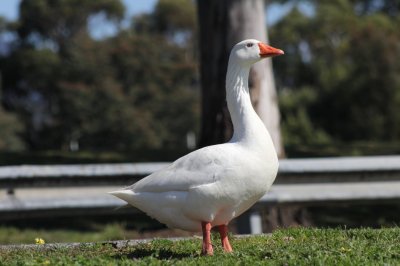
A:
[339,84]
[347,60]
[175,15]
[298,129]
[59,21]
[297,246]
[170,17]
[130,92]
[32,68]
[157,77]
[11,127]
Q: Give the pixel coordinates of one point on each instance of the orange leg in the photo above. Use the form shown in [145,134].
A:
[207,247]
[223,232]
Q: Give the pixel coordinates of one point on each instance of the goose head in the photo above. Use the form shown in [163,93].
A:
[250,51]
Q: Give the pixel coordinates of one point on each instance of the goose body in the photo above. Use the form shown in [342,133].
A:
[211,186]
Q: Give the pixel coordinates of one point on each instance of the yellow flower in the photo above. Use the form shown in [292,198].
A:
[39,241]
[343,249]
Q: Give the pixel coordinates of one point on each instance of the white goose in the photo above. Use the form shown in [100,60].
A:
[211,186]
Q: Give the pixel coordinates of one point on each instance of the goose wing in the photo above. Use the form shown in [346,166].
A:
[203,166]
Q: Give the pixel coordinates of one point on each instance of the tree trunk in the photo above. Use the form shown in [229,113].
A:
[222,25]
[213,21]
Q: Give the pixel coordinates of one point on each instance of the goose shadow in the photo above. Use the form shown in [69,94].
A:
[160,254]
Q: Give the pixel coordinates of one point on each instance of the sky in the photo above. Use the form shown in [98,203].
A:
[99,28]
[9,9]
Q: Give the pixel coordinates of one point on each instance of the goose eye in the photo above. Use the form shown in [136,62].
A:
[249,44]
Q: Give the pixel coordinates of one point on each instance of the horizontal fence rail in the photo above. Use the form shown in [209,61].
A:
[343,169]
[74,175]
[34,190]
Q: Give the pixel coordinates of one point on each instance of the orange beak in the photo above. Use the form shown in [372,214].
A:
[269,51]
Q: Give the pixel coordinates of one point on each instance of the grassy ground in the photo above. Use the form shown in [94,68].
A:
[13,235]
[297,246]
[94,233]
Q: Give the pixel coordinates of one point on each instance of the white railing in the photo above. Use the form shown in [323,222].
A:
[32,190]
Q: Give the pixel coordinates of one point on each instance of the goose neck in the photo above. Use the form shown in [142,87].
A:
[238,99]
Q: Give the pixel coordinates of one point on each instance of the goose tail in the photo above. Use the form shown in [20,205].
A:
[126,195]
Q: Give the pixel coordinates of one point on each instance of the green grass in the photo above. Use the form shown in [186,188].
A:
[91,233]
[13,235]
[297,246]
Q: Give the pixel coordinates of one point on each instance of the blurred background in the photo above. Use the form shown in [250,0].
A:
[112,81]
